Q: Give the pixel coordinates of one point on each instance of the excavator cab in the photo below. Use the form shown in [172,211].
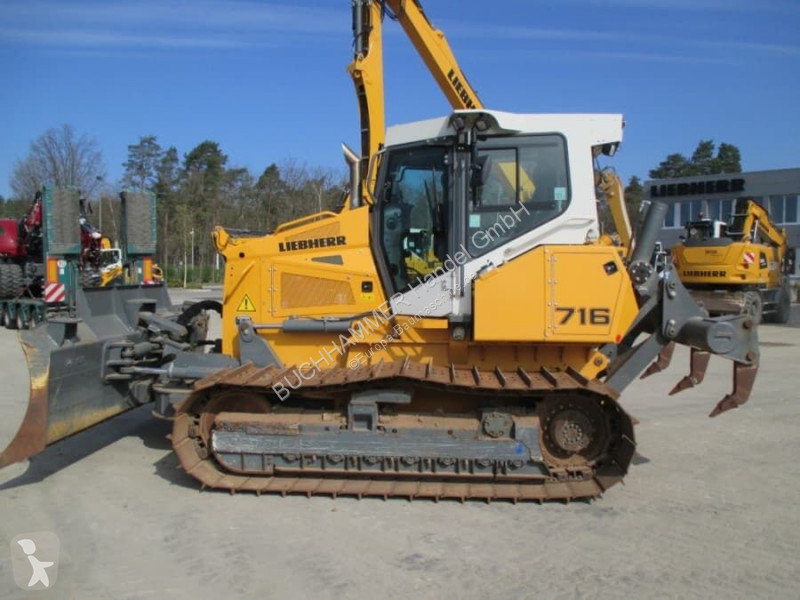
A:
[705,229]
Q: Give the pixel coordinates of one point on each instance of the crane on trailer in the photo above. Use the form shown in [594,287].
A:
[54,248]
[452,332]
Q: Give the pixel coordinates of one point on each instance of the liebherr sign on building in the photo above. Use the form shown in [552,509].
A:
[713,195]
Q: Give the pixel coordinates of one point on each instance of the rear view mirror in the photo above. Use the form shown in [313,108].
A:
[480,170]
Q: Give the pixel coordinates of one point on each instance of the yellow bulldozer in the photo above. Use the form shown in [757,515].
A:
[738,266]
[458,330]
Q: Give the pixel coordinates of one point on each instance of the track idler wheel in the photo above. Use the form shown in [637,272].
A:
[574,430]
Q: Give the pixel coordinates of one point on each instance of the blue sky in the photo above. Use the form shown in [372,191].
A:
[267,80]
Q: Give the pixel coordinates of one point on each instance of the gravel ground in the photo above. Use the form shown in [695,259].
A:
[709,510]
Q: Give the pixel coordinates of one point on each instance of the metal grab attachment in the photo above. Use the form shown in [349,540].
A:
[698,364]
[671,316]
[743,378]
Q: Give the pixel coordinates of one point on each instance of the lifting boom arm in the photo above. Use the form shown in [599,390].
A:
[434,50]
[366,69]
[751,222]
[610,184]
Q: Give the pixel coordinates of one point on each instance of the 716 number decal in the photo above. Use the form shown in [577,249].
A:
[585,316]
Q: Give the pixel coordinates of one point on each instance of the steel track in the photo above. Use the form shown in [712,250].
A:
[587,479]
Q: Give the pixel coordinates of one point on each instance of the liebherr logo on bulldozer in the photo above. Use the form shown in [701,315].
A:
[704,273]
[325,242]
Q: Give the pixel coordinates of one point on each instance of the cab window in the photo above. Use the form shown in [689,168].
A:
[414,213]
[523,183]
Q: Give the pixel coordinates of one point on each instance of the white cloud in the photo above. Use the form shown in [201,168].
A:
[654,57]
[780,6]
[212,24]
[214,14]
[612,39]
[94,38]
[232,24]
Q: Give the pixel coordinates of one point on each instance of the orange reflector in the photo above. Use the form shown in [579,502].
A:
[52,270]
[147,270]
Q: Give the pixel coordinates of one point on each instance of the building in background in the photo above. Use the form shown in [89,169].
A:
[778,191]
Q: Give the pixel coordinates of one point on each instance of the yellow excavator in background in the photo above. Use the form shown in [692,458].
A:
[110,267]
[741,266]
[457,330]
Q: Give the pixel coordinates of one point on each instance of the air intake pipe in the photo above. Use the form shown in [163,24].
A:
[648,234]
[354,164]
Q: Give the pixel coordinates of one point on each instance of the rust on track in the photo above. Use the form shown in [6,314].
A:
[567,479]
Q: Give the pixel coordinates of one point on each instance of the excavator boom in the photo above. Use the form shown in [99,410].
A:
[367,66]
[433,48]
[750,222]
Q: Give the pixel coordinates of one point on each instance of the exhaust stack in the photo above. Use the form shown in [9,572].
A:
[354,163]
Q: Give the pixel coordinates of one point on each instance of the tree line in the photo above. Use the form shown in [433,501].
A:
[194,191]
[201,190]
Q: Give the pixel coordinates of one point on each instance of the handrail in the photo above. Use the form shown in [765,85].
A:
[326,214]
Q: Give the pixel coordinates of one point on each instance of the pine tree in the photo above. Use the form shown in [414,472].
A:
[141,168]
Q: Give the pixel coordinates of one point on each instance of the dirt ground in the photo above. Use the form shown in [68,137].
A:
[709,511]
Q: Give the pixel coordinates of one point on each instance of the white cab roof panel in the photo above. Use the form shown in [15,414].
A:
[595,129]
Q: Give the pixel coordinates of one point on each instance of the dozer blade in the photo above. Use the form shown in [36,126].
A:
[67,394]
[698,363]
[31,436]
[743,378]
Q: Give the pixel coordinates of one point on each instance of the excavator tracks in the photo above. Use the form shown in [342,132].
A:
[514,436]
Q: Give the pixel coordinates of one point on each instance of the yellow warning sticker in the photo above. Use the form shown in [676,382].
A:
[246,305]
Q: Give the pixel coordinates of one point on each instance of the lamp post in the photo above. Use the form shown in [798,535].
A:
[191,233]
[99,178]
[185,261]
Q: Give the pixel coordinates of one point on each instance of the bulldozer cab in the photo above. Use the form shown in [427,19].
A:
[445,202]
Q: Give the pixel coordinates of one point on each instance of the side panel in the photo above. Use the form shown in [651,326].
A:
[140,227]
[510,301]
[320,269]
[734,264]
[61,214]
[576,294]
